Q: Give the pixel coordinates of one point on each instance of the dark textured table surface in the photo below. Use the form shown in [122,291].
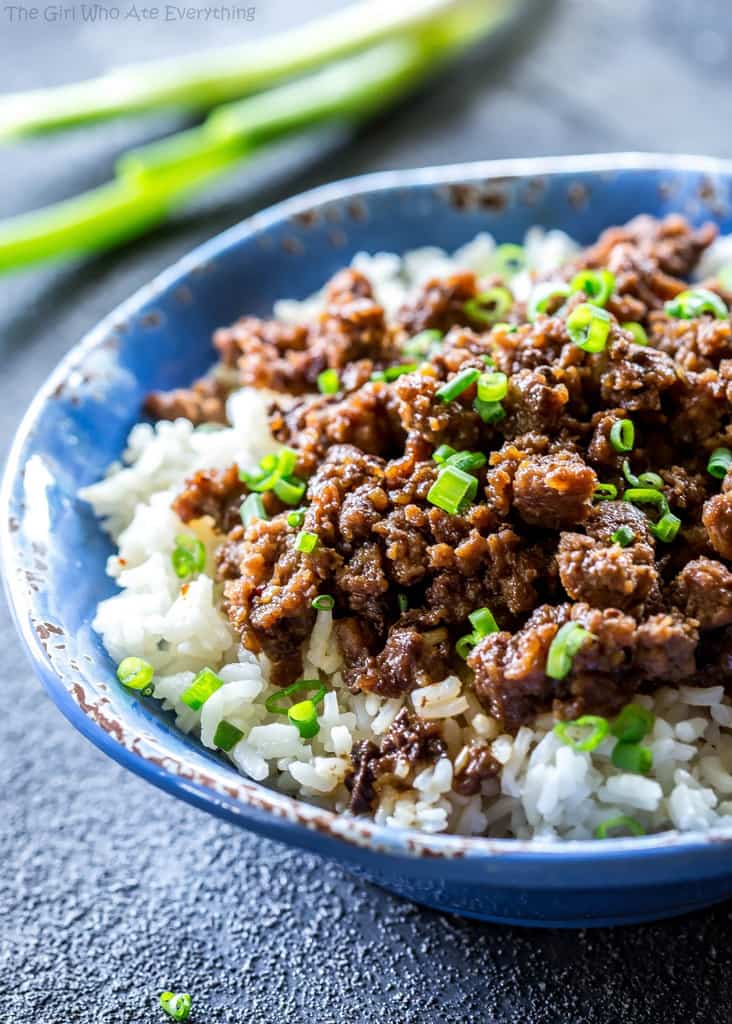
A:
[111,891]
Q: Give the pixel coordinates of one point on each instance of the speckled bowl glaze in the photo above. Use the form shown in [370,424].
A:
[53,552]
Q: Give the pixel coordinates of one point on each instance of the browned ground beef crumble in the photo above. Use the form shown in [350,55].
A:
[535,547]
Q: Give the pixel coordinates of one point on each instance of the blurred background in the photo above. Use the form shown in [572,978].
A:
[93,923]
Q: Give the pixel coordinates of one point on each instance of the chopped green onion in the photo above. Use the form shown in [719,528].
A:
[306,542]
[633,723]
[274,705]
[597,285]
[639,335]
[469,461]
[465,645]
[489,306]
[134,673]
[483,622]
[402,602]
[564,646]
[391,373]
[324,603]
[226,736]
[296,517]
[645,479]
[542,296]
[589,326]
[599,728]
[422,344]
[632,757]
[329,382]
[694,303]
[286,461]
[176,1004]
[622,435]
[453,490]
[489,412]
[489,360]
[630,825]
[666,528]
[719,462]
[205,683]
[252,508]
[623,536]
[455,387]
[509,259]
[189,556]
[304,715]
[443,453]
[378,375]
[646,496]
[492,387]
[289,489]
[605,492]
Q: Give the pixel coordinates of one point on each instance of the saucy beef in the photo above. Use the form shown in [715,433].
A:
[534,539]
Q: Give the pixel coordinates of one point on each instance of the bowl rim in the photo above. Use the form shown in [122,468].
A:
[244,801]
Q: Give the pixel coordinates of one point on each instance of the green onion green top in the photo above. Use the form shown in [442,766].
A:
[588,326]
[597,285]
[227,736]
[443,453]
[459,383]
[639,335]
[543,296]
[490,306]
[306,542]
[632,757]
[453,490]
[598,729]
[468,461]
[423,344]
[509,259]
[189,556]
[623,536]
[719,462]
[622,824]
[483,622]
[622,435]
[324,603]
[565,645]
[694,303]
[328,382]
[605,492]
[275,473]
[135,674]
[633,723]
[176,1004]
[493,386]
[666,528]
[252,508]
[489,412]
[296,518]
[205,683]
[302,714]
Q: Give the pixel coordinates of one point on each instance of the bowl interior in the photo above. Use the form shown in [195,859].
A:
[54,550]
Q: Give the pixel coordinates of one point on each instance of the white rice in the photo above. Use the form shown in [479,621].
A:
[545,788]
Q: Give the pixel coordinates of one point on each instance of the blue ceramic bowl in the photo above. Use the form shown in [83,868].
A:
[53,552]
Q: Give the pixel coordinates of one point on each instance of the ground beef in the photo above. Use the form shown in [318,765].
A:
[703,589]
[409,745]
[535,543]
[472,766]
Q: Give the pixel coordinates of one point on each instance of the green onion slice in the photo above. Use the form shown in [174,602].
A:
[622,823]
[666,528]
[455,387]
[324,603]
[189,556]
[492,387]
[403,602]
[303,713]
[296,517]
[542,296]
[226,736]
[176,1004]
[489,412]
[443,453]
[289,489]
[564,646]
[329,382]
[391,373]
[589,326]
[599,728]
[306,542]
[633,724]
[696,302]
[719,462]
[468,461]
[639,335]
[490,306]
[453,490]
[465,644]
[632,757]
[644,479]
[509,259]
[597,285]
[483,622]
[646,496]
[135,674]
[605,492]
[205,684]
[252,508]
[423,344]
[623,536]
[622,435]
